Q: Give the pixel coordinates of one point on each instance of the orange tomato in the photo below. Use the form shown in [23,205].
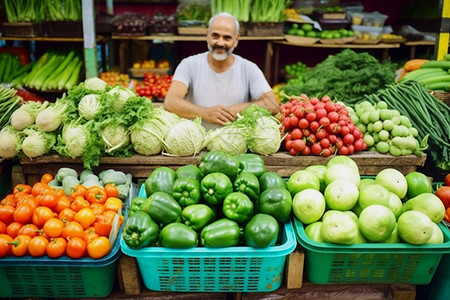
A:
[85,217]
[56,247]
[76,247]
[38,246]
[19,246]
[53,227]
[41,214]
[40,188]
[447,180]
[99,247]
[46,178]
[96,194]
[29,229]
[89,234]
[111,190]
[72,229]
[5,247]
[49,199]
[443,193]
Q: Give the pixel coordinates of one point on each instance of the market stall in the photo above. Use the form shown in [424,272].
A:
[106,194]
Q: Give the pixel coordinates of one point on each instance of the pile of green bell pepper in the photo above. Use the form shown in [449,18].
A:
[224,201]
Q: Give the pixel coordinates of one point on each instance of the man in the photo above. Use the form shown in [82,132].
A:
[216,85]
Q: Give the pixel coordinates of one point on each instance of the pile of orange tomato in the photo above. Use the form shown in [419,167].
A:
[38,220]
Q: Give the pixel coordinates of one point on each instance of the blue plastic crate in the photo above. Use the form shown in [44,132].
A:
[201,269]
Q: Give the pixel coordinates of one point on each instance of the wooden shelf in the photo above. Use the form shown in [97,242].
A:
[190,38]
[50,39]
[352,46]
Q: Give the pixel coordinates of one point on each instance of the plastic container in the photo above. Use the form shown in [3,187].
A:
[200,269]
[372,19]
[327,263]
[61,277]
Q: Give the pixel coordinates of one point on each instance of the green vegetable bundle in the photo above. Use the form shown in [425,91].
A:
[430,116]
[224,201]
[347,75]
[24,10]
[9,102]
[239,9]
[54,70]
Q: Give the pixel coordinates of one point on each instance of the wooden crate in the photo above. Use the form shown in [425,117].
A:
[23,29]
[140,166]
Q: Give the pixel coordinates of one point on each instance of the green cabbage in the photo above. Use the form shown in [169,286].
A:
[231,139]
[11,141]
[185,138]
[37,142]
[266,138]
[89,106]
[146,137]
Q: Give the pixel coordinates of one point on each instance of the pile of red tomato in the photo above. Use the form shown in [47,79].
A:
[443,193]
[154,86]
[319,127]
[39,220]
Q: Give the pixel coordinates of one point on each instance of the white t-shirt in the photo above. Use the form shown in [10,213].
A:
[243,82]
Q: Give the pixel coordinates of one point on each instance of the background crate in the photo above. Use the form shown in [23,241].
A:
[64,28]
[265,28]
[23,29]
[372,262]
[201,269]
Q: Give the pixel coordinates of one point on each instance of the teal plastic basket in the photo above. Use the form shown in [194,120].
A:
[327,263]
[201,269]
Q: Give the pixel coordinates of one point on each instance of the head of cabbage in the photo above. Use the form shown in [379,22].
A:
[185,138]
[72,140]
[231,139]
[89,106]
[119,95]
[11,141]
[146,136]
[115,136]
[95,84]
[266,137]
[37,142]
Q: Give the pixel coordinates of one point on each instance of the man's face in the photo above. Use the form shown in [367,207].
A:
[221,38]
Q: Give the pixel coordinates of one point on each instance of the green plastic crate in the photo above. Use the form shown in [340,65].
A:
[327,263]
[201,269]
[61,277]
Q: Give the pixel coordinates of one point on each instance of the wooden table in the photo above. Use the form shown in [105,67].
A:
[140,166]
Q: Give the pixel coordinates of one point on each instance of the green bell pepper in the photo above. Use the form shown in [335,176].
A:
[189,171]
[221,233]
[238,207]
[140,230]
[277,202]
[247,183]
[160,180]
[271,179]
[251,162]
[179,236]
[197,216]
[215,187]
[162,208]
[186,191]
[136,205]
[261,231]
[218,161]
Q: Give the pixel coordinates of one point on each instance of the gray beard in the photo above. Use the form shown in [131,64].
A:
[221,56]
